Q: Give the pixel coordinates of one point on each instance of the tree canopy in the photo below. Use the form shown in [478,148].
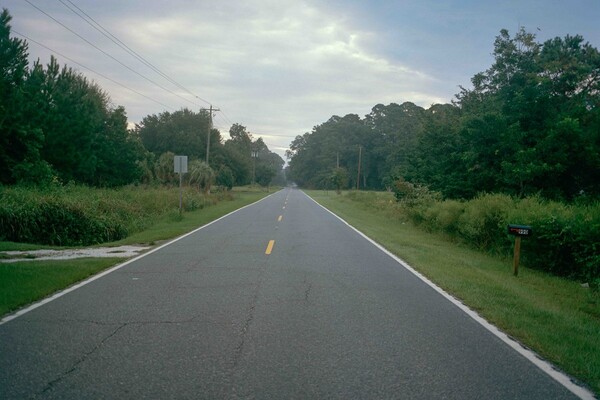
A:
[57,126]
[530,124]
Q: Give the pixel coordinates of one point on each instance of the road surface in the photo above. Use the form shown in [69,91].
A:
[280,300]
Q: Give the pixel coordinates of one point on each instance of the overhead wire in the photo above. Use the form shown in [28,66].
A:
[108,55]
[91,70]
[105,32]
[97,26]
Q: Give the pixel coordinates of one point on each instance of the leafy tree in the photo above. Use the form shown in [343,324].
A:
[339,179]
[546,97]
[225,177]
[180,132]
[118,152]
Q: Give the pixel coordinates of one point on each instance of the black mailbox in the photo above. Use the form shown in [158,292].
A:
[519,230]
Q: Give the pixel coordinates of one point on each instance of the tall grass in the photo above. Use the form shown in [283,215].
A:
[565,241]
[77,215]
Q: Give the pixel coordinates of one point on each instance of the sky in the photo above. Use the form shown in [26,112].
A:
[281,67]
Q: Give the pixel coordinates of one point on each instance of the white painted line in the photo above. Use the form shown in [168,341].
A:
[542,364]
[70,289]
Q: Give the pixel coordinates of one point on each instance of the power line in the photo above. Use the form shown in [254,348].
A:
[105,32]
[226,117]
[96,25]
[91,70]
[107,54]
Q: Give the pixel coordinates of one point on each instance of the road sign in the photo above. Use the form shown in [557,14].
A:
[180,164]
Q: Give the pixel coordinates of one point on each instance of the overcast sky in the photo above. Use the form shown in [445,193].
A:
[281,67]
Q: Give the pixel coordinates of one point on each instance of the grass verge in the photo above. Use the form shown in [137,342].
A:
[25,282]
[555,317]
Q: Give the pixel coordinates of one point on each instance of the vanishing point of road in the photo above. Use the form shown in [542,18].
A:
[279,300]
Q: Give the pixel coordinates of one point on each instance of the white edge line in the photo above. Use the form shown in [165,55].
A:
[70,289]
[542,364]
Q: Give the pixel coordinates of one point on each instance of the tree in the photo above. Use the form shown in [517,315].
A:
[547,96]
[180,132]
[339,178]
[225,177]
[119,152]
[201,174]
[20,142]
[164,168]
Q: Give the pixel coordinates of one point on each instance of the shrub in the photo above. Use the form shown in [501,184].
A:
[81,216]
[565,241]
[484,221]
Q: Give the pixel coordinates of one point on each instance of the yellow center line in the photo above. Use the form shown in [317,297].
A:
[270,247]
[280,218]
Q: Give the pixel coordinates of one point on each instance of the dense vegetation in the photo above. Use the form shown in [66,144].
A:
[521,146]
[73,215]
[566,237]
[529,126]
[58,127]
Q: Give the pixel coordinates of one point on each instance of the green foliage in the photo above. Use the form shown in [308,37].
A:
[565,238]
[565,241]
[165,169]
[201,174]
[76,215]
[20,140]
[225,177]
[555,317]
[339,179]
[529,125]
[56,125]
[181,132]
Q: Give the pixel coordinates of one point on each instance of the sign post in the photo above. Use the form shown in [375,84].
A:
[181,167]
[518,231]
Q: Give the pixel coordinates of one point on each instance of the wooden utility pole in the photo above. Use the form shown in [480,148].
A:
[359,159]
[210,113]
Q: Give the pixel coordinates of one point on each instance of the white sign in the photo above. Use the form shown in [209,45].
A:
[181,164]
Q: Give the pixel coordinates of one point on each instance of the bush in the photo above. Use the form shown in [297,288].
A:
[81,216]
[565,241]
[484,221]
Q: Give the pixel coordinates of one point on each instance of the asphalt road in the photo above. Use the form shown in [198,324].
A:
[325,315]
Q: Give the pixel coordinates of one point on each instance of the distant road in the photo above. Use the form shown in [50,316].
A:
[279,300]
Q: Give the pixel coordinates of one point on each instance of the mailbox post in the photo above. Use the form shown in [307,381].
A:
[518,231]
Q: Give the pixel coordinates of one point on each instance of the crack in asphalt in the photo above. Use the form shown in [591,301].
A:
[237,355]
[65,374]
[50,385]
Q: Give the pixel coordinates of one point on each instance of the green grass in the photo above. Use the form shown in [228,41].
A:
[556,317]
[173,224]
[27,281]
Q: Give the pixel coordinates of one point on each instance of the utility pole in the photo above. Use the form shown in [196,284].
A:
[210,114]
[337,165]
[359,159]
[254,157]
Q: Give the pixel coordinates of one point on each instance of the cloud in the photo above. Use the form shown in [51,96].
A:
[277,67]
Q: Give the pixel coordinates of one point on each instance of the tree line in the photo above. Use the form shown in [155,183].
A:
[530,125]
[57,126]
